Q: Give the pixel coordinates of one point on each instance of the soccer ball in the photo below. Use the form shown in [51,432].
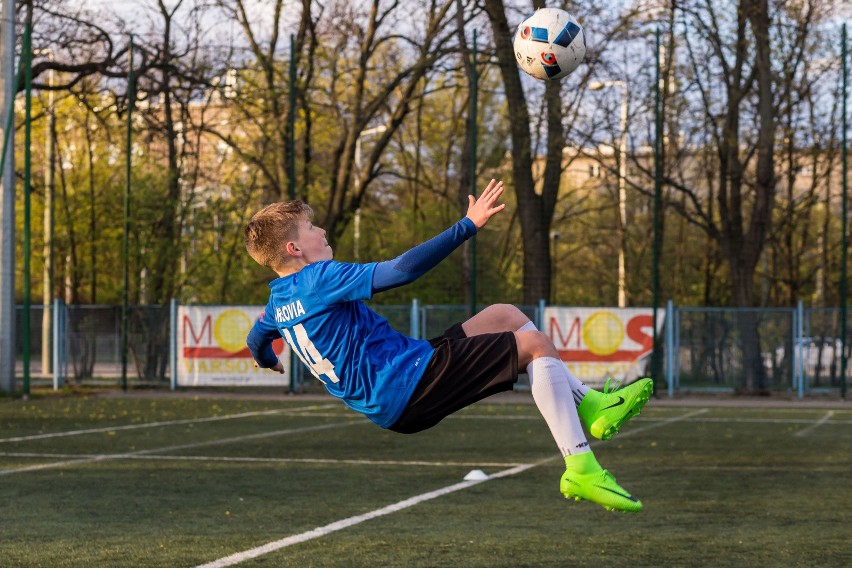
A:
[549,44]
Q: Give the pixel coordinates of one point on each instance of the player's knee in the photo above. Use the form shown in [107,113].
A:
[544,346]
[510,314]
[533,345]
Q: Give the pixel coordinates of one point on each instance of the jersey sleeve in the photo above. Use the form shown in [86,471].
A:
[336,282]
[413,264]
[260,338]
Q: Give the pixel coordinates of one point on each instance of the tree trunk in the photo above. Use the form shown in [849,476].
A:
[535,211]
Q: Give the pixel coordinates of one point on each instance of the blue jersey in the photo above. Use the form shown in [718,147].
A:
[359,357]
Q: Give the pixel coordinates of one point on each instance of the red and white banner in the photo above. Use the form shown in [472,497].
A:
[595,343]
[211,348]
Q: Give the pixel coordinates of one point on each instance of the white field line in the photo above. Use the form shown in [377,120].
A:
[164,423]
[753,420]
[786,468]
[306,411]
[348,522]
[107,457]
[259,460]
[816,424]
[648,419]
[319,532]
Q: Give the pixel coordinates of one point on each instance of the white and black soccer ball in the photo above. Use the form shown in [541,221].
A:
[549,44]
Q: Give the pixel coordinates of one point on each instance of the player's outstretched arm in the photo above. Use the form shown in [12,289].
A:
[422,258]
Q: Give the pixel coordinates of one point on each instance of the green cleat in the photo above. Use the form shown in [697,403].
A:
[587,480]
[603,413]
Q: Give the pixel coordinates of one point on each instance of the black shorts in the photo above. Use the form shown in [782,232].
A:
[463,370]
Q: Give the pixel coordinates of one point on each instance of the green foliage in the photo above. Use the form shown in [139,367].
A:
[232,158]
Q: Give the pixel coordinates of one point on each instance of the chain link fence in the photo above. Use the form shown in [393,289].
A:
[709,349]
[725,349]
[89,343]
[757,350]
[821,348]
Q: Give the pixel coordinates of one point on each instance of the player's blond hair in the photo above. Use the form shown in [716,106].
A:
[270,229]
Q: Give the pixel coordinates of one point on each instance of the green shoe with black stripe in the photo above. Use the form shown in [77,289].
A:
[585,479]
[605,412]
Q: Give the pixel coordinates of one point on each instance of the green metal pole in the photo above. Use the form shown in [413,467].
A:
[28,79]
[844,171]
[131,96]
[658,140]
[291,166]
[291,170]
[474,84]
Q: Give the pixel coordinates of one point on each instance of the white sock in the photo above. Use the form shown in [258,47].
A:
[552,394]
[578,387]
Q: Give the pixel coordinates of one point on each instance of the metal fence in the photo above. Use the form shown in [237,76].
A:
[797,349]
[86,341]
[704,349]
[712,346]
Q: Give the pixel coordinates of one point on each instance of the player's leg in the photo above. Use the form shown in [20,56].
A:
[494,319]
[584,478]
[603,413]
[506,317]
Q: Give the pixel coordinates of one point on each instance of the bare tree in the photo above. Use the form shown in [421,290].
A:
[536,209]
[368,94]
[742,59]
[76,42]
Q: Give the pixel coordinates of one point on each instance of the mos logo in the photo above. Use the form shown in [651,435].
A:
[219,335]
[602,336]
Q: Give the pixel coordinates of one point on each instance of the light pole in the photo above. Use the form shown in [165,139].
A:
[357,222]
[622,192]
[8,88]
[47,271]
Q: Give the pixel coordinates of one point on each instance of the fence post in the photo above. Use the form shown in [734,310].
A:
[173,326]
[677,348]
[415,319]
[58,335]
[798,357]
[669,346]
[540,315]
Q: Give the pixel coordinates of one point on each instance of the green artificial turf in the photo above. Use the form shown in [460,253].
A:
[721,487]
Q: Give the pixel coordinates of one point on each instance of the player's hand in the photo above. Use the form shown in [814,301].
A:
[278,368]
[481,210]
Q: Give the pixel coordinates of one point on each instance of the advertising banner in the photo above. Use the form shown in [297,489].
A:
[596,343]
[211,348]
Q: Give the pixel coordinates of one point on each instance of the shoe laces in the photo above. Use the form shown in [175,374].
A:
[611,385]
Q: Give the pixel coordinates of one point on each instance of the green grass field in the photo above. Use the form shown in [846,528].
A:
[181,482]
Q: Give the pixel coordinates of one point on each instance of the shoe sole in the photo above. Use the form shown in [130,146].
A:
[576,498]
[636,508]
[636,407]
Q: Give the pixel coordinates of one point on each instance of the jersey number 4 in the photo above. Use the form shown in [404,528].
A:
[307,352]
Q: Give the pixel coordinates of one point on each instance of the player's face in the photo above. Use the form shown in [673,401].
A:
[312,242]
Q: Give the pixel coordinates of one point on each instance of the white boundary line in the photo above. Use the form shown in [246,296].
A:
[165,423]
[816,424]
[258,460]
[351,521]
[756,420]
[647,419]
[107,457]
[300,411]
[318,532]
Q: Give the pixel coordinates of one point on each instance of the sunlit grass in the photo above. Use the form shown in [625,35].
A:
[203,485]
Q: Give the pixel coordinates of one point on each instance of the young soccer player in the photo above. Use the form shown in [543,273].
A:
[407,385]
